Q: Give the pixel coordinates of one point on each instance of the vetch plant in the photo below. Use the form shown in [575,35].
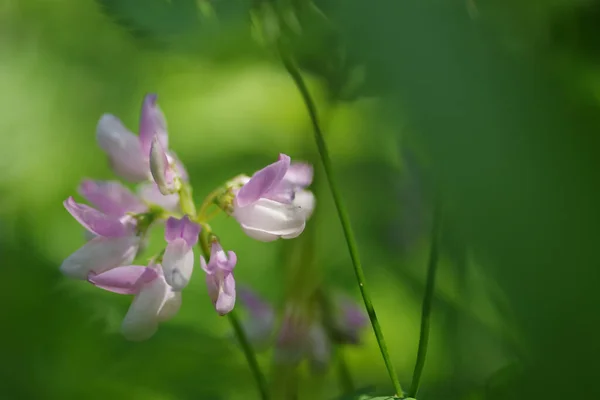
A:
[273,203]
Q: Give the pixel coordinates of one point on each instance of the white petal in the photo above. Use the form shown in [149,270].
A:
[99,255]
[141,321]
[265,218]
[178,264]
[149,192]
[305,201]
[170,306]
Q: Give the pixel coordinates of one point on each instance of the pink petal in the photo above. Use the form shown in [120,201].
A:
[152,123]
[111,197]
[124,280]
[182,228]
[123,149]
[299,175]
[263,181]
[95,221]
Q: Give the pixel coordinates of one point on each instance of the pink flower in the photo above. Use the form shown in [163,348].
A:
[219,278]
[155,301]
[129,155]
[178,259]
[274,203]
[115,243]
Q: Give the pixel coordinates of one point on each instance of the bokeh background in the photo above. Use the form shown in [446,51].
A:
[491,105]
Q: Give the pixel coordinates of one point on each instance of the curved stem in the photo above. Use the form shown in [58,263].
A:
[427,301]
[343,216]
[208,201]
[240,335]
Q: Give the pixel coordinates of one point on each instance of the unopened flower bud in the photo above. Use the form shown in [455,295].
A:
[163,171]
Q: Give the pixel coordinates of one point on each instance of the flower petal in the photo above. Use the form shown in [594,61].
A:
[149,193]
[124,280]
[181,171]
[267,218]
[99,255]
[226,299]
[95,221]
[123,148]
[178,264]
[260,323]
[263,181]
[300,175]
[162,172]
[204,265]
[141,321]
[111,197]
[152,123]
[171,305]
[305,201]
[182,228]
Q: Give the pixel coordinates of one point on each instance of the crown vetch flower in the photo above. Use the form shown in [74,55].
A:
[265,205]
[163,169]
[178,259]
[116,242]
[129,155]
[219,277]
[349,322]
[260,323]
[155,301]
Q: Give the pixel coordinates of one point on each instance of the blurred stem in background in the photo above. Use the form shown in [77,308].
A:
[240,335]
[427,299]
[294,72]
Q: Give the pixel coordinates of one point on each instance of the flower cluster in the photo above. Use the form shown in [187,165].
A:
[273,203]
[301,334]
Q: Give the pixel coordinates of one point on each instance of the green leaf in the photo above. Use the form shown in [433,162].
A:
[162,22]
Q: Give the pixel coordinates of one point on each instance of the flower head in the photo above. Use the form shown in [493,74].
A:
[178,259]
[219,277]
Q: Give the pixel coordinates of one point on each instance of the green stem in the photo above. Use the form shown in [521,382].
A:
[186,200]
[240,335]
[250,356]
[427,301]
[343,216]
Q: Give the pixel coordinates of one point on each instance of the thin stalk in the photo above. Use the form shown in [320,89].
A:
[343,216]
[261,383]
[240,335]
[427,300]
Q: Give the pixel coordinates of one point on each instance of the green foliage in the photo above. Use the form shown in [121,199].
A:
[184,24]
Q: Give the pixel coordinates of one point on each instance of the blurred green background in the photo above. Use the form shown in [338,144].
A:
[491,104]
